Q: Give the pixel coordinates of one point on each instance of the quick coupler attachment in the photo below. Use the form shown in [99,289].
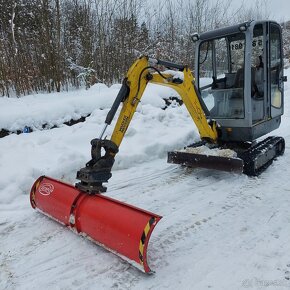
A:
[92,180]
[98,169]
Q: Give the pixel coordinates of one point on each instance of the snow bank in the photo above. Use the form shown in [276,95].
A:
[53,109]
[56,108]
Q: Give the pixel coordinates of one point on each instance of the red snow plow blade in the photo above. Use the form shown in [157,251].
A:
[121,228]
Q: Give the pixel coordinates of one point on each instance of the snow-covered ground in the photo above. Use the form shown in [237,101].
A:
[219,230]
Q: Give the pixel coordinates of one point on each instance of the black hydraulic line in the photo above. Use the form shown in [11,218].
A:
[141,73]
[122,95]
[169,64]
[125,90]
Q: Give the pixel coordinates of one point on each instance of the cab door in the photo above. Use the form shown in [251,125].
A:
[275,70]
[258,74]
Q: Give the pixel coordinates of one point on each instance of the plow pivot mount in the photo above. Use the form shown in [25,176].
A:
[121,228]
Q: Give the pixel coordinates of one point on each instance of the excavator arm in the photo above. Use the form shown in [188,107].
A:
[139,75]
[98,169]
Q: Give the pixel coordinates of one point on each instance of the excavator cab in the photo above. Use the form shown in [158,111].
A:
[239,75]
[240,84]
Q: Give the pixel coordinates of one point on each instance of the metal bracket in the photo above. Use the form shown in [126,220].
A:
[98,169]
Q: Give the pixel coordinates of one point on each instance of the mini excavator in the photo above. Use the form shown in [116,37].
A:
[235,98]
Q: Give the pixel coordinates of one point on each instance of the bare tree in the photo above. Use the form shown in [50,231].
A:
[51,45]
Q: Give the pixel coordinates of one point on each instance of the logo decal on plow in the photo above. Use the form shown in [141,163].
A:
[46,188]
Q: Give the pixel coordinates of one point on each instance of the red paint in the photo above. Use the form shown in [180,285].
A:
[116,225]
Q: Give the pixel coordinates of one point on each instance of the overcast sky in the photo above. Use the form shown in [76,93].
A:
[279,9]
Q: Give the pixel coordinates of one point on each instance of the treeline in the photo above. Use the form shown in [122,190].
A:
[53,45]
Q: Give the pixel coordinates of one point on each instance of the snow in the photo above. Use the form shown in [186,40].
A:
[219,230]
[55,108]
[205,150]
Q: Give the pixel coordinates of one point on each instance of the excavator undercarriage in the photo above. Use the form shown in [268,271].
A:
[247,158]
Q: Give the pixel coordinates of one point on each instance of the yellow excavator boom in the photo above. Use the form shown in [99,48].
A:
[137,78]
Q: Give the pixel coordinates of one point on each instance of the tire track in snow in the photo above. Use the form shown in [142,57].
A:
[186,236]
[141,179]
[235,200]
